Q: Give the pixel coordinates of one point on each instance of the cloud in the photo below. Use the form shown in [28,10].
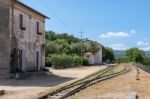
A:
[146,48]
[142,43]
[116,34]
[133,32]
[118,46]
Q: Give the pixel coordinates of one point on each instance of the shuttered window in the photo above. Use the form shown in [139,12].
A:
[37,27]
[21,21]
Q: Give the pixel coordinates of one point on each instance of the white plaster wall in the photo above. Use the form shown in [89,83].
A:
[91,59]
[98,57]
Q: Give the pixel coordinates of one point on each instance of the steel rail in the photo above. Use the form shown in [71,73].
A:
[97,80]
[75,87]
[76,83]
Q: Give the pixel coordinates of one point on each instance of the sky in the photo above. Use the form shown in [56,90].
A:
[119,24]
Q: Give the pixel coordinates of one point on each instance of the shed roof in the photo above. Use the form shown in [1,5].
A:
[88,53]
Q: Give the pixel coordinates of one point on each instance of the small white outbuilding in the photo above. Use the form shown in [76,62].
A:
[94,59]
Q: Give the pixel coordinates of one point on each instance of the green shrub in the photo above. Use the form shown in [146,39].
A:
[60,61]
[48,62]
[85,62]
[146,60]
[77,60]
[65,61]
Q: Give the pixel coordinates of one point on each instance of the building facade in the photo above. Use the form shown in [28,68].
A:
[22,37]
[94,59]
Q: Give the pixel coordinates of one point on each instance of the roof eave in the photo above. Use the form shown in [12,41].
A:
[32,9]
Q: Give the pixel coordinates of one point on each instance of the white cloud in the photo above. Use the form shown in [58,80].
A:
[118,46]
[146,48]
[142,43]
[133,32]
[116,34]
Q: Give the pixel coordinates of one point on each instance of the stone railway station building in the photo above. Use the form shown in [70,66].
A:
[22,38]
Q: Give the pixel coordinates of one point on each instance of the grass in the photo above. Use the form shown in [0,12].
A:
[118,68]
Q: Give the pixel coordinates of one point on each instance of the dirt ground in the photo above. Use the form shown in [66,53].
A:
[122,87]
[29,88]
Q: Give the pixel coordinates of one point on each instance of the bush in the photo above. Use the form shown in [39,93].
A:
[62,61]
[146,60]
[48,61]
[85,62]
[51,48]
[77,60]
[65,61]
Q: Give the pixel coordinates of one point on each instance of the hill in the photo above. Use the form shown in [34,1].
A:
[121,53]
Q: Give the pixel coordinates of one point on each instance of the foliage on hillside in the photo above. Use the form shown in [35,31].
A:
[61,48]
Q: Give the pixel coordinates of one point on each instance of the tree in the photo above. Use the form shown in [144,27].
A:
[146,60]
[108,54]
[69,38]
[75,48]
[64,46]
[94,47]
[51,48]
[50,35]
[135,55]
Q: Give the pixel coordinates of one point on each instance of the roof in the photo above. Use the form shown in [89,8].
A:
[19,2]
[88,53]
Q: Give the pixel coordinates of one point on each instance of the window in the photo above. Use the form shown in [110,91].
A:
[22,27]
[38,28]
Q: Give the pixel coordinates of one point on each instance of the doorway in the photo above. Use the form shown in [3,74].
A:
[22,59]
[37,61]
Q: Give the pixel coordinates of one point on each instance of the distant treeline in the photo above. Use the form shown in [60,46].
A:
[133,55]
[120,53]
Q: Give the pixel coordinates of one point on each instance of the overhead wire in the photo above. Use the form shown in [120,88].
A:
[48,9]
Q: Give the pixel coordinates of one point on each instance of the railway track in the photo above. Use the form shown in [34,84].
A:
[79,85]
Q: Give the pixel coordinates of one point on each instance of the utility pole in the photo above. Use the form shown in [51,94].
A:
[81,46]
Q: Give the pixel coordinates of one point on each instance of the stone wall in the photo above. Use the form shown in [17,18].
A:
[4,36]
[28,40]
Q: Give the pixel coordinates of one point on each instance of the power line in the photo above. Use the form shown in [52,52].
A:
[57,17]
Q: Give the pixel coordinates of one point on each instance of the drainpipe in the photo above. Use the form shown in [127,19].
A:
[13,43]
